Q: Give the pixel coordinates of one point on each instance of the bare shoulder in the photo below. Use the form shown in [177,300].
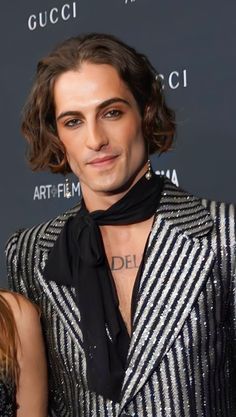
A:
[24,311]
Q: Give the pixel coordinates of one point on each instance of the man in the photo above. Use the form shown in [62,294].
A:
[136,283]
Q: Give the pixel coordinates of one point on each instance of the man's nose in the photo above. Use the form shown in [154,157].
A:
[96,137]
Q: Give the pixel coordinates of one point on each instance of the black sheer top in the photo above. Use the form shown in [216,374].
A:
[7,399]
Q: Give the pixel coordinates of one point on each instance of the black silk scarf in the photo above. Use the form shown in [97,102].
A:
[78,259]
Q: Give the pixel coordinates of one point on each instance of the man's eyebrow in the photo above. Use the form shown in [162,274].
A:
[99,107]
[112,101]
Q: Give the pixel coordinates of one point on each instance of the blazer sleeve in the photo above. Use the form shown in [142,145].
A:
[230,233]
[20,257]
[16,279]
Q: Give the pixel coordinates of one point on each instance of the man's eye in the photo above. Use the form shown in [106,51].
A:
[73,122]
[113,114]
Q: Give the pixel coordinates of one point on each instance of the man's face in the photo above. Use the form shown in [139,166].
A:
[99,123]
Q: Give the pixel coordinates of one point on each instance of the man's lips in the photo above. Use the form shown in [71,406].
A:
[103,160]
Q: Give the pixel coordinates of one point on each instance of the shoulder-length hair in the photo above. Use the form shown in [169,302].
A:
[45,149]
[9,340]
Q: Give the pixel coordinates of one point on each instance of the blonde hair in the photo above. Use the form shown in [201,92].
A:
[9,367]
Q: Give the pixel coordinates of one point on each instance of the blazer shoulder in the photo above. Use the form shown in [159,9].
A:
[23,245]
[220,210]
[224,218]
[32,236]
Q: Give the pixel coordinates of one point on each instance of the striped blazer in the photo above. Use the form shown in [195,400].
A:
[181,359]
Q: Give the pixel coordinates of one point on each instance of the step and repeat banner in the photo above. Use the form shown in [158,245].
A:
[191,45]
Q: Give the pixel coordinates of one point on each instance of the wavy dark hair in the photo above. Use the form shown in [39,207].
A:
[45,150]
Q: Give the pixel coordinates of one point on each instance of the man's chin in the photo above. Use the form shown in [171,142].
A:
[114,188]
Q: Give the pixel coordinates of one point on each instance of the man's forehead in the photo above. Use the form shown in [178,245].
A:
[91,85]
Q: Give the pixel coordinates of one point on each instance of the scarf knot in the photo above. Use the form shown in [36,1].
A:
[90,247]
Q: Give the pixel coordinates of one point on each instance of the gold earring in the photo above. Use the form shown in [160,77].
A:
[148,174]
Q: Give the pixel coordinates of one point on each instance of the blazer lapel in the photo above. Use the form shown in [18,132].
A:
[54,228]
[178,261]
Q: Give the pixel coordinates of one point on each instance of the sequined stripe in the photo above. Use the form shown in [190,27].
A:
[191,359]
[54,228]
[93,402]
[225,267]
[232,232]
[195,230]
[202,315]
[181,373]
[69,301]
[157,393]
[56,393]
[162,405]
[160,293]
[22,250]
[48,239]
[185,290]
[198,388]
[112,410]
[167,389]
[176,198]
[160,255]
[12,262]
[212,318]
[69,390]
[219,350]
[181,204]
[159,287]
[84,402]
[184,214]
[225,244]
[76,380]
[221,241]
[190,223]
[191,290]
[83,395]
[144,321]
[101,409]
[204,388]
[144,403]
[58,298]
[170,329]
[69,365]
[216,346]
[28,255]
[70,316]
[66,347]
[208,327]
[131,407]
[173,384]
[148,409]
[143,325]
[232,310]
[137,405]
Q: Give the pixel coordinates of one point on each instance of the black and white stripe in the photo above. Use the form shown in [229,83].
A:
[181,361]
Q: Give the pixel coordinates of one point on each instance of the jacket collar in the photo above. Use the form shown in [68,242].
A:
[54,228]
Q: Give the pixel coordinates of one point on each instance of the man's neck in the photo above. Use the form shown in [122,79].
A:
[101,202]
